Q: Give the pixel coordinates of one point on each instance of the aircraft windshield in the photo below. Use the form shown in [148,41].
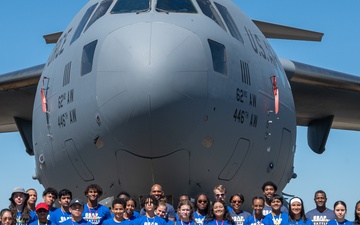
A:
[131,6]
[208,9]
[177,6]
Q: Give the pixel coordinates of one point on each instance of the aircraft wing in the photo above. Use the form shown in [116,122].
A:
[17,93]
[321,93]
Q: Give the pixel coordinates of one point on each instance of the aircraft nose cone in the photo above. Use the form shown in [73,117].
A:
[152,86]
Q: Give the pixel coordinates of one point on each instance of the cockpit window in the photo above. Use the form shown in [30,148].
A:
[229,22]
[218,54]
[208,9]
[178,6]
[100,11]
[131,6]
[83,23]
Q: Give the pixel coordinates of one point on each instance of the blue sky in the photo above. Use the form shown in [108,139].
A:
[24,22]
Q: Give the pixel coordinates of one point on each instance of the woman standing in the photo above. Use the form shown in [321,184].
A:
[130,209]
[202,205]
[297,212]
[185,213]
[276,217]
[258,204]
[18,206]
[218,214]
[237,214]
[340,211]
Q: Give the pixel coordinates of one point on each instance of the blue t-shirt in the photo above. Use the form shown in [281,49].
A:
[37,222]
[253,221]
[33,216]
[215,222]
[239,218]
[96,215]
[320,218]
[111,221]
[199,219]
[281,219]
[300,222]
[178,222]
[81,222]
[345,222]
[59,216]
[144,220]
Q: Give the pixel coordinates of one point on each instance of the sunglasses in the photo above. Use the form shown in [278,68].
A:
[202,201]
[236,202]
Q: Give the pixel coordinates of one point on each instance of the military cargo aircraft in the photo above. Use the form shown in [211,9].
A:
[163,85]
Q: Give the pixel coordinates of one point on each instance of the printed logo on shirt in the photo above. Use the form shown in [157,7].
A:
[93,218]
[320,220]
[239,220]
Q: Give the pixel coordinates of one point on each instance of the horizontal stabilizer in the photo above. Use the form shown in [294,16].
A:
[271,30]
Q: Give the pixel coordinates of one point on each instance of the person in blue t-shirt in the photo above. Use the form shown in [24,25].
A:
[160,211]
[218,214]
[149,204]
[321,215]
[50,195]
[118,210]
[201,208]
[76,209]
[340,212]
[185,213]
[31,203]
[257,205]
[238,215]
[130,214]
[276,217]
[130,205]
[18,206]
[94,212]
[42,212]
[297,212]
[63,213]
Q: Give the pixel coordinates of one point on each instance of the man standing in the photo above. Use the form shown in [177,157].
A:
[159,194]
[320,215]
[42,211]
[94,212]
[49,196]
[63,213]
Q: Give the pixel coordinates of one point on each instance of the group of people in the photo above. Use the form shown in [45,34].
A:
[267,210]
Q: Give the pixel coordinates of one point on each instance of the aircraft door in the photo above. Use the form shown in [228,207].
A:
[283,161]
[236,160]
[77,162]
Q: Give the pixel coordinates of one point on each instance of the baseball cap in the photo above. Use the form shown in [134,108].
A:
[76,201]
[42,205]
